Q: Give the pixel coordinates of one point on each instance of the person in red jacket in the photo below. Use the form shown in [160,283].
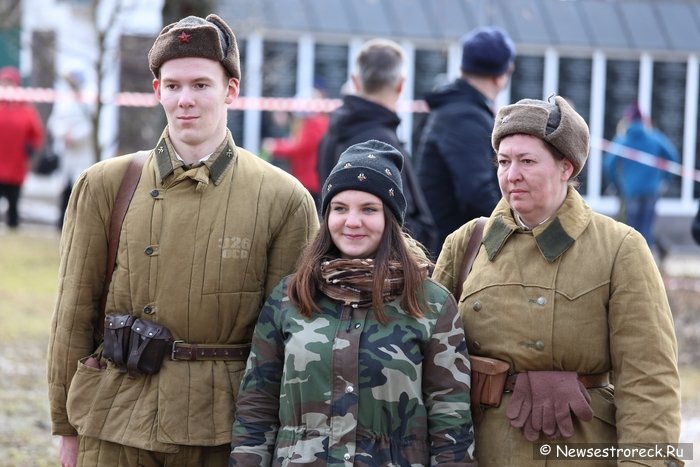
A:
[21,133]
[300,149]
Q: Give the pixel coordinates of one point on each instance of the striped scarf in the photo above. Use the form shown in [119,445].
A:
[351,280]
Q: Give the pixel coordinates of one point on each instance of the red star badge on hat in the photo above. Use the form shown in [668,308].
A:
[184,38]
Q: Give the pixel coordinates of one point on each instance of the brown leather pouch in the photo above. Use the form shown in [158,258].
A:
[116,338]
[148,346]
[488,380]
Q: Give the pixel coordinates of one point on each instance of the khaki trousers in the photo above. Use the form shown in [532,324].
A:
[97,453]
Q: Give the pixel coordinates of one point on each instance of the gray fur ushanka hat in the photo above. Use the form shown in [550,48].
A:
[193,36]
[374,167]
[554,122]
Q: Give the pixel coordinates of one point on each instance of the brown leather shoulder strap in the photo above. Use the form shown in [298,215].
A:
[470,254]
[121,204]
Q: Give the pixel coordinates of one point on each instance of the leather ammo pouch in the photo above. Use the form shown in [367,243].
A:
[488,380]
[116,338]
[149,344]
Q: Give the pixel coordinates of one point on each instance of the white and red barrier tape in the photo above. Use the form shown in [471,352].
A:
[648,159]
[147,99]
[290,104]
[37,95]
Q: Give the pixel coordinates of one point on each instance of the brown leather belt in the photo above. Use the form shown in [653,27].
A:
[598,380]
[192,352]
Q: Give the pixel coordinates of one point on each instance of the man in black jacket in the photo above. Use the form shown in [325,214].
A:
[371,114]
[456,171]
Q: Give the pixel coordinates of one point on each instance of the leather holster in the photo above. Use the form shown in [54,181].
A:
[488,378]
[148,346]
[117,332]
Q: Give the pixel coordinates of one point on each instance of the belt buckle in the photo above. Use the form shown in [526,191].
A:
[172,352]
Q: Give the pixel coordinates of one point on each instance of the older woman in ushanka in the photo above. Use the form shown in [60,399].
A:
[568,299]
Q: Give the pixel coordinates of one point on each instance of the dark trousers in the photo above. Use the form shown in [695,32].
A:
[11,193]
[640,213]
[65,197]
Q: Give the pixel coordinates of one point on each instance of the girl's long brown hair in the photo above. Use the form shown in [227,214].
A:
[303,287]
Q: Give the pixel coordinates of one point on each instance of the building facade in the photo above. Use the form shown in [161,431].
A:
[599,54]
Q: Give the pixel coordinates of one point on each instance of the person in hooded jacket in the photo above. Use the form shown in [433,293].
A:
[300,148]
[639,185]
[21,134]
[70,125]
[358,358]
[371,114]
[456,169]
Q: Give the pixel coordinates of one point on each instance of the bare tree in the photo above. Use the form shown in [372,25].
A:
[106,16]
[9,13]
[174,10]
[10,18]
[106,19]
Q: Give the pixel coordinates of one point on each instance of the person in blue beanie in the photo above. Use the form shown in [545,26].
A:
[639,185]
[456,169]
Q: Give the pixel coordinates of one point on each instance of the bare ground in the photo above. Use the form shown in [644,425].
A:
[25,431]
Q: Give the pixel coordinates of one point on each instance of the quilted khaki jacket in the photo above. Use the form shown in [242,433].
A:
[578,293]
[200,250]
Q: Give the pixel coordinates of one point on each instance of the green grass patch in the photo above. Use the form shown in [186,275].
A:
[28,283]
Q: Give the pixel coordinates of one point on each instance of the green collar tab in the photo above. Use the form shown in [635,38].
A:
[218,163]
[553,237]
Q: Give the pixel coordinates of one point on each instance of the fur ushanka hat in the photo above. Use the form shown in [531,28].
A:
[374,167]
[193,36]
[556,123]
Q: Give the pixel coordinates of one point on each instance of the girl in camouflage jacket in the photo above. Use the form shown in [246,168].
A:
[358,358]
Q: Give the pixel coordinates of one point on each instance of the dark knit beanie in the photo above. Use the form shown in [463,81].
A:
[193,36]
[374,167]
[554,122]
[487,51]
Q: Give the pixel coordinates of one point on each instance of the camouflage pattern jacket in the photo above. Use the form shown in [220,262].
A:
[340,389]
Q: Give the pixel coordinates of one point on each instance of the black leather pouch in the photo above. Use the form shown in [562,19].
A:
[116,338]
[149,344]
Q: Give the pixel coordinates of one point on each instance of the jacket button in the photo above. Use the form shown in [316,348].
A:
[477,306]
[154,193]
[476,345]
[148,250]
[541,301]
[148,309]
[539,345]
[347,456]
